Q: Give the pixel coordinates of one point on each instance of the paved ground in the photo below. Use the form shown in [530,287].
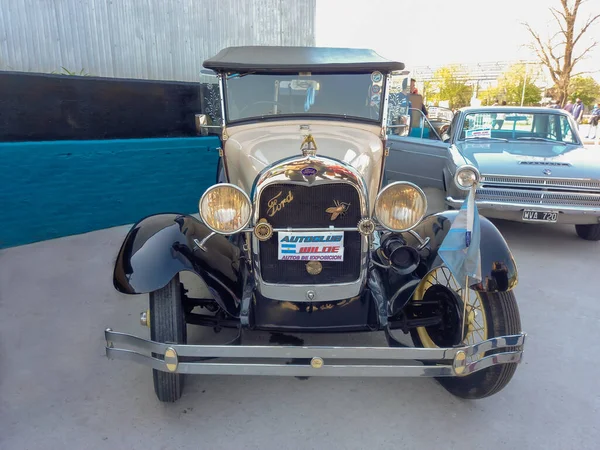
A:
[57,389]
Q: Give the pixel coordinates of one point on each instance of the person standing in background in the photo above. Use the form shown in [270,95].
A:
[578,111]
[500,117]
[415,91]
[594,122]
[569,107]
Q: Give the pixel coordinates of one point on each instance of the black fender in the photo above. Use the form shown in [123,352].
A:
[160,246]
[498,266]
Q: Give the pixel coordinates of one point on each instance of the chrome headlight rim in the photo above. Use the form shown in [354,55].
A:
[218,186]
[468,167]
[396,183]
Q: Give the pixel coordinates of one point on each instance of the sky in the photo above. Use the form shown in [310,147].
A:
[439,32]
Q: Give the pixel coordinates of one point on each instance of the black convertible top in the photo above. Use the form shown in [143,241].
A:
[299,59]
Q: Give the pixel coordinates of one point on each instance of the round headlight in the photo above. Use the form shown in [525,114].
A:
[466,177]
[400,206]
[225,208]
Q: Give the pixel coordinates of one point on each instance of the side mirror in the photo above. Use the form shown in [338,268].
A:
[204,124]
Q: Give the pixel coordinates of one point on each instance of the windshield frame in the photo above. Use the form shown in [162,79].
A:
[508,110]
[303,116]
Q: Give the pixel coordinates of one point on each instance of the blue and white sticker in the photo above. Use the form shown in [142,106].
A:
[307,246]
[481,132]
[376,77]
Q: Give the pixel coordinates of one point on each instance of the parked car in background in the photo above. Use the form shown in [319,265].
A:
[532,164]
[299,234]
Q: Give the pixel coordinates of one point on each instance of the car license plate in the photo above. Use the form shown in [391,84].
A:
[307,246]
[531,215]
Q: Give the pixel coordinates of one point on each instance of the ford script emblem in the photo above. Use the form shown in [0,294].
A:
[547,172]
[308,171]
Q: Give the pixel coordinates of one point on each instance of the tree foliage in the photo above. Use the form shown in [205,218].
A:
[561,52]
[585,88]
[510,87]
[446,84]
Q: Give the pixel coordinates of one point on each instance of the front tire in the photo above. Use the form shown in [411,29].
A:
[498,316]
[167,325]
[588,232]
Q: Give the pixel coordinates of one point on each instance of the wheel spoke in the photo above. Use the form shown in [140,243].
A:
[447,279]
[470,304]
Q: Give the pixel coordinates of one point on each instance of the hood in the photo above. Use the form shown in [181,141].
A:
[251,148]
[532,158]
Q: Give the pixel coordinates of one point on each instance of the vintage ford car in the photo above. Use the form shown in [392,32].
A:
[533,165]
[299,234]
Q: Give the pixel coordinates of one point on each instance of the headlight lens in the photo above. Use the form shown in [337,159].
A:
[225,208]
[466,177]
[400,206]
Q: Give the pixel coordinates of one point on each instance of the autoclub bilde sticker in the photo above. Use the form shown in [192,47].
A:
[307,246]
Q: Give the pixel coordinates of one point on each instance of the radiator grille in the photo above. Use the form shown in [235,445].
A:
[559,183]
[538,197]
[308,209]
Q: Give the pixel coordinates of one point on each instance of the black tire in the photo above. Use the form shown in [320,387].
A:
[588,232]
[167,325]
[503,319]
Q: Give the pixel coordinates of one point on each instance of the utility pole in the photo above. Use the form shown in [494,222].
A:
[524,85]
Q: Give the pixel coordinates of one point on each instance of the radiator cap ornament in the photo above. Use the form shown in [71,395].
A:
[308,146]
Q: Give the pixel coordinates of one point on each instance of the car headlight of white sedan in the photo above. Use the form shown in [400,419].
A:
[466,176]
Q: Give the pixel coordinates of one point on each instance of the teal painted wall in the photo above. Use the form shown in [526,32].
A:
[58,188]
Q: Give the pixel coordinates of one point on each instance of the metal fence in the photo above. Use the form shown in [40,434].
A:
[145,39]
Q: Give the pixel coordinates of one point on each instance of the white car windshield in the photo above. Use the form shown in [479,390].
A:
[353,95]
[516,126]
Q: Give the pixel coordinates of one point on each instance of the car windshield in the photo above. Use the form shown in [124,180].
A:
[344,95]
[518,127]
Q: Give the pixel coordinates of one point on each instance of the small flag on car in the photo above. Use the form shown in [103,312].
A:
[460,248]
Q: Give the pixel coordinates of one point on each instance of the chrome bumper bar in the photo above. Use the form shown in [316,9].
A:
[321,361]
[512,206]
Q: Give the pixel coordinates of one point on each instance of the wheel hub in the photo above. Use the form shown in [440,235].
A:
[450,307]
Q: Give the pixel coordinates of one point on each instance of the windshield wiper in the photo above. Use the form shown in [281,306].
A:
[534,138]
[486,139]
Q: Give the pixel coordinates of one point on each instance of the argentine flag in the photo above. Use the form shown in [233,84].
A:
[460,248]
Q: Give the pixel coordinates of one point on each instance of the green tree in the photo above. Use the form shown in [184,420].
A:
[511,83]
[447,84]
[510,87]
[585,88]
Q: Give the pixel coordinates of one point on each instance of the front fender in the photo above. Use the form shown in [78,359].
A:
[160,246]
[498,266]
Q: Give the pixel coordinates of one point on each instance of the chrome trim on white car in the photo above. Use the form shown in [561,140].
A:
[513,206]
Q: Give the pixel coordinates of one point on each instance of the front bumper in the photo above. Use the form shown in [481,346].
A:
[314,360]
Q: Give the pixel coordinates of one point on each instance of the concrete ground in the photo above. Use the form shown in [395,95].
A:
[58,390]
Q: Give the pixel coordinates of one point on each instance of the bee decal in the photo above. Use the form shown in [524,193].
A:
[339,209]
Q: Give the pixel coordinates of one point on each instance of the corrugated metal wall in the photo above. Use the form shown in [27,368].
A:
[148,39]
